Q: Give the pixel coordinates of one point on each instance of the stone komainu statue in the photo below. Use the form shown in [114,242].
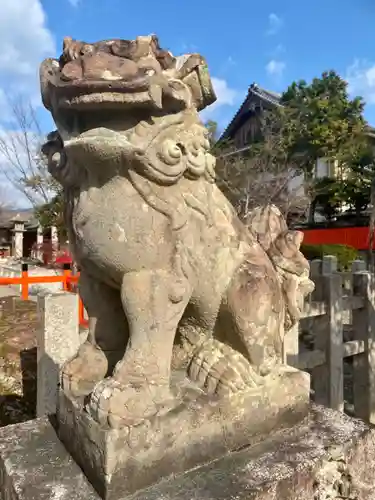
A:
[172,281]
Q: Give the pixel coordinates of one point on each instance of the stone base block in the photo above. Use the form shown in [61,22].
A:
[34,465]
[326,456]
[121,462]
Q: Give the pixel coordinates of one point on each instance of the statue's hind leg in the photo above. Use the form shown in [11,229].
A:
[107,338]
[213,365]
[154,302]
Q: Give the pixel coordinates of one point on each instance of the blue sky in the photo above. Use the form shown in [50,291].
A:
[270,42]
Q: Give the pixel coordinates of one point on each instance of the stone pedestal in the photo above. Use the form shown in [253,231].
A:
[120,462]
[326,456]
[58,340]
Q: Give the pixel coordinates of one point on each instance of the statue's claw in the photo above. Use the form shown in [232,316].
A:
[219,369]
[117,405]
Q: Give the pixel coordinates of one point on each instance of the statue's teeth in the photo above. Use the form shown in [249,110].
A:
[156,95]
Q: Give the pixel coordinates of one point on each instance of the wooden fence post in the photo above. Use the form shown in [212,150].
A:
[329,265]
[329,378]
[358,265]
[66,273]
[316,266]
[364,363]
[25,283]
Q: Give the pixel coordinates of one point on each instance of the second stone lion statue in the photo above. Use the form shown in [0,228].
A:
[171,280]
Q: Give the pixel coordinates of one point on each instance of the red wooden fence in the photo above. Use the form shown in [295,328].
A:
[357,237]
[68,281]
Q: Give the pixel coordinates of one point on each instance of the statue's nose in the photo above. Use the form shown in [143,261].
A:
[102,66]
[72,71]
[99,66]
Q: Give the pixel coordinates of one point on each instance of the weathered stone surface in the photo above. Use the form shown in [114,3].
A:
[329,456]
[172,281]
[34,465]
[121,461]
[170,277]
[58,340]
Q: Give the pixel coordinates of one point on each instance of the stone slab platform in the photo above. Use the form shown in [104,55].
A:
[34,465]
[119,462]
[328,455]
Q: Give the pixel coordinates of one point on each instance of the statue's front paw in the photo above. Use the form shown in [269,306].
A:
[219,369]
[80,375]
[117,405]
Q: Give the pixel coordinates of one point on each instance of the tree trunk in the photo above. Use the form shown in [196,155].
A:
[312,208]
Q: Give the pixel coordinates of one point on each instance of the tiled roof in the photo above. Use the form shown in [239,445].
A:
[272,98]
[8,217]
[268,95]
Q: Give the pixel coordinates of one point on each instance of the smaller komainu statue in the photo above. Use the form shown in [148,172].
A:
[172,281]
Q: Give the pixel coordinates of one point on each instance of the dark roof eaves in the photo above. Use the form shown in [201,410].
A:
[262,94]
[224,134]
[268,97]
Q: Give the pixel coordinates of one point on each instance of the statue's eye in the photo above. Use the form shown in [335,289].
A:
[86,49]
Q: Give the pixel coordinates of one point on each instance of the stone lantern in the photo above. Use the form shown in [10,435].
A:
[17,240]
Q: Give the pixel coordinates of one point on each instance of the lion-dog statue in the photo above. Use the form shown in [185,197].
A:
[171,279]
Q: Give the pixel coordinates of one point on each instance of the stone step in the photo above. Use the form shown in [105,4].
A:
[328,455]
[34,465]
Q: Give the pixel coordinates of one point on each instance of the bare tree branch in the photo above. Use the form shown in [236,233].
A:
[20,158]
[264,175]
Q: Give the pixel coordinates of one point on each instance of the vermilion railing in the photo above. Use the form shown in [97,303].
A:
[67,280]
[357,236]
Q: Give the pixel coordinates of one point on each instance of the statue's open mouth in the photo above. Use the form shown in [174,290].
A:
[73,122]
[80,92]
[117,74]
[107,70]
[87,94]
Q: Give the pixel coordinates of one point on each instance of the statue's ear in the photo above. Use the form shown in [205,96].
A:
[266,223]
[193,71]
[54,143]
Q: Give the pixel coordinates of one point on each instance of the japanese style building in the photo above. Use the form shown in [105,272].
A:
[245,128]
[20,233]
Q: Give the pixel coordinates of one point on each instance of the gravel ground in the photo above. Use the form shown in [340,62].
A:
[17,362]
